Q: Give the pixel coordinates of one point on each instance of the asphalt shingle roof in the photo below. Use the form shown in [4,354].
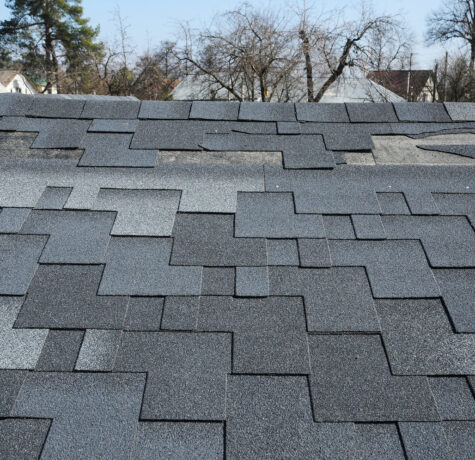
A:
[300,308]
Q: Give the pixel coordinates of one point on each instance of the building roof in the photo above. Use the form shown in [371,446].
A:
[198,87]
[6,76]
[397,80]
[163,297]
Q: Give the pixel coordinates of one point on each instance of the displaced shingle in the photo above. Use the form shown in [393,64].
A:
[207,239]
[214,110]
[167,440]
[343,136]
[60,351]
[464,150]
[351,381]
[60,134]
[252,282]
[419,339]
[321,112]
[75,237]
[461,112]
[421,112]
[140,212]
[20,254]
[12,219]
[264,111]
[371,113]
[111,109]
[106,149]
[269,334]
[94,414]
[64,296]
[186,372]
[336,299]
[272,215]
[22,438]
[139,266]
[176,110]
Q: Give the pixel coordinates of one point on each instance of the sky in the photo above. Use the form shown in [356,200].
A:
[151,21]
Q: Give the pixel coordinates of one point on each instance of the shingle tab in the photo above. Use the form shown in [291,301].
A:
[12,219]
[461,112]
[211,110]
[264,111]
[112,109]
[272,215]
[321,112]
[14,104]
[419,339]
[453,397]
[165,110]
[351,381]
[139,266]
[55,107]
[421,112]
[186,372]
[252,282]
[337,299]
[166,440]
[60,351]
[64,296]
[371,113]
[98,350]
[93,413]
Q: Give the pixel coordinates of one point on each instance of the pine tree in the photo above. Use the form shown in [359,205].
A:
[50,35]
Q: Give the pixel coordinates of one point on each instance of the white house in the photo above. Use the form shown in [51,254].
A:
[12,81]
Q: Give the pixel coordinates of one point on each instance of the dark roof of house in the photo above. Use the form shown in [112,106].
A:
[160,298]
[397,80]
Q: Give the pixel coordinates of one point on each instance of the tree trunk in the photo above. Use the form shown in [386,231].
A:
[308,64]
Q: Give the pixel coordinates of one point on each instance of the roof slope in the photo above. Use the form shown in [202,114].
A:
[203,304]
[397,80]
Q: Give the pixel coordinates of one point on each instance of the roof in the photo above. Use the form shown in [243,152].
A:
[170,287]
[6,76]
[396,80]
[198,87]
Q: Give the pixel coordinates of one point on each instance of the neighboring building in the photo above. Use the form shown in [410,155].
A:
[40,84]
[412,85]
[13,81]
[343,90]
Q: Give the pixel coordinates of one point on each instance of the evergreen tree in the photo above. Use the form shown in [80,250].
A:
[50,35]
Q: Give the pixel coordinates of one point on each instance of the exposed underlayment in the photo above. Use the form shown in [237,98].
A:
[208,280]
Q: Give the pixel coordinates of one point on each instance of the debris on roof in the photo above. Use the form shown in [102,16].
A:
[223,280]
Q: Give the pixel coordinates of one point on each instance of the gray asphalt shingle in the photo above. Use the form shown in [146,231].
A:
[65,296]
[256,289]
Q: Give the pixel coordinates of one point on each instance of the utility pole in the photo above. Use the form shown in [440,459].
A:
[435,81]
[409,82]
[446,65]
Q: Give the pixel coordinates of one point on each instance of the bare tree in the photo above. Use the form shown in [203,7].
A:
[367,43]
[453,78]
[249,53]
[455,20]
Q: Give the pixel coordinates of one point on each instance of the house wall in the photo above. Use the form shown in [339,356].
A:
[18,85]
[427,93]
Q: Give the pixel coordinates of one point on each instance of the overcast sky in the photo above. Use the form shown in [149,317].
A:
[154,20]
